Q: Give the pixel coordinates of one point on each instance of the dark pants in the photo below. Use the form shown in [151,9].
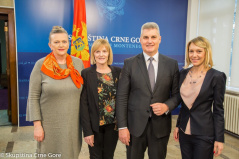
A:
[104,142]
[157,147]
[195,146]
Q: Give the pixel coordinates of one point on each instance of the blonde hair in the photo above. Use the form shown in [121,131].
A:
[203,43]
[57,29]
[150,25]
[96,45]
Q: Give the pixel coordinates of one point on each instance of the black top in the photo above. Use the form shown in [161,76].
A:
[204,120]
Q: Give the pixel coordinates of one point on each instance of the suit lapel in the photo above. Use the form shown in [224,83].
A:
[142,65]
[183,76]
[93,82]
[114,74]
[200,95]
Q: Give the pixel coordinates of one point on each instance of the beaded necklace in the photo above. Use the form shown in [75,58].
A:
[194,80]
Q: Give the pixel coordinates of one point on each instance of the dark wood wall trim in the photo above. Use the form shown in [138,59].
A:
[12,62]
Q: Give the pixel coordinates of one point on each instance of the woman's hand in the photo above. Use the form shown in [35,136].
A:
[89,140]
[218,147]
[38,131]
[175,134]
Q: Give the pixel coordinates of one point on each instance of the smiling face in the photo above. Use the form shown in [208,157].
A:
[101,55]
[150,40]
[196,55]
[59,44]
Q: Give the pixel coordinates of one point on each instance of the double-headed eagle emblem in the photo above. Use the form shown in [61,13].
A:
[110,8]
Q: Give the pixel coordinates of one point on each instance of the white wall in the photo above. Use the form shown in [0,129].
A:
[213,19]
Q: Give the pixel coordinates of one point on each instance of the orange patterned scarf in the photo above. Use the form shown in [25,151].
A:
[51,68]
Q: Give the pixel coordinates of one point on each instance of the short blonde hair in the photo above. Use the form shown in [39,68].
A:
[57,29]
[96,45]
[203,43]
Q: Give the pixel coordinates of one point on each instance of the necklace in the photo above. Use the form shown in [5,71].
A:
[193,79]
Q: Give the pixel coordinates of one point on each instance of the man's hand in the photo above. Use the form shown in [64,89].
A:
[124,136]
[89,140]
[159,108]
[218,146]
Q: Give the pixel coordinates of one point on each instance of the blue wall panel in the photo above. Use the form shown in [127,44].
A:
[118,21]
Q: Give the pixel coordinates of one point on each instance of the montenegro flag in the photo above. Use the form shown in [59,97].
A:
[79,42]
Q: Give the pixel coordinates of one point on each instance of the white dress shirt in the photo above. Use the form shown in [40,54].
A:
[154,62]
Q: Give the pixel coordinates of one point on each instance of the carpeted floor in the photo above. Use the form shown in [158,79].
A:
[3,99]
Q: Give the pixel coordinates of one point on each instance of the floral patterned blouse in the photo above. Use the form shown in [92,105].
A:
[107,95]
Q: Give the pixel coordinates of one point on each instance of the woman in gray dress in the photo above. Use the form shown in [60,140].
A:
[54,100]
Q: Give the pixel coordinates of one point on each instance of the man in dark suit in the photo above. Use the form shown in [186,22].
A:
[147,93]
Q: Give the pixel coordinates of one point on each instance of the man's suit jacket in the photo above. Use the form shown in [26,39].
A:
[89,107]
[202,120]
[134,95]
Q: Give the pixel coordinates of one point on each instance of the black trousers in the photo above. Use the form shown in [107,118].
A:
[196,146]
[104,142]
[157,147]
